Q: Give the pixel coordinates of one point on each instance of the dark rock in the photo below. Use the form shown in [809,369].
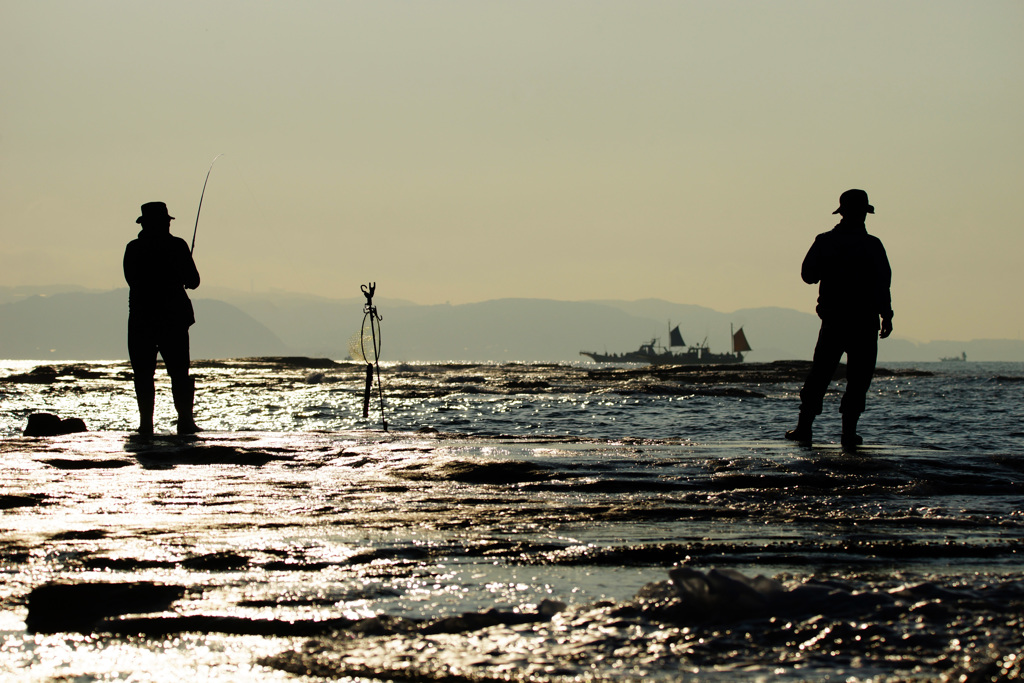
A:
[84,535]
[293,362]
[8,501]
[78,607]
[73,425]
[285,566]
[222,561]
[44,374]
[126,564]
[239,626]
[475,621]
[86,463]
[206,455]
[48,424]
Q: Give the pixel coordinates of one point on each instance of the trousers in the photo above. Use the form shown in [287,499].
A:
[144,342]
[860,344]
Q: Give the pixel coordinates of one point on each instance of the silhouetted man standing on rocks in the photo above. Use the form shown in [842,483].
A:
[853,296]
[159,268]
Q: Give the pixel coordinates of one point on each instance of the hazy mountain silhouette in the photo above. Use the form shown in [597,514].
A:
[85,324]
[22,292]
[513,329]
[498,330]
[310,325]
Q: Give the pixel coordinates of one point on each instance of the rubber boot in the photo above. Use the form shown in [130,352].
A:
[802,433]
[145,416]
[184,391]
[850,438]
[145,398]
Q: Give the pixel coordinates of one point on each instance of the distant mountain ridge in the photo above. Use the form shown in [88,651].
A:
[87,324]
[94,326]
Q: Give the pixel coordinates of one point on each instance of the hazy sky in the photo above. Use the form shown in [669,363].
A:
[467,150]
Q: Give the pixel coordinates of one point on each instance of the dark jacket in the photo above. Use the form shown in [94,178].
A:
[158,268]
[854,273]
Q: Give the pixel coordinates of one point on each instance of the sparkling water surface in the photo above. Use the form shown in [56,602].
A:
[519,488]
[957,406]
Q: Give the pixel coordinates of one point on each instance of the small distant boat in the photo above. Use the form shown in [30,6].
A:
[699,354]
[956,359]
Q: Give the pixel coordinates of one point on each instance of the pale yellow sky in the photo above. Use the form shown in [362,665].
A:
[464,150]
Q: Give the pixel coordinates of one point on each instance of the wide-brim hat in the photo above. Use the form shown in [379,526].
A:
[854,200]
[153,211]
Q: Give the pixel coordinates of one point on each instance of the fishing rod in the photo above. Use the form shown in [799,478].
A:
[370,314]
[201,195]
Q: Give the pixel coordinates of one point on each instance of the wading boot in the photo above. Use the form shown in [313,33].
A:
[802,433]
[850,438]
[145,401]
[184,391]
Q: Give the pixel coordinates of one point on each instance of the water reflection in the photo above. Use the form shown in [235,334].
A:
[569,493]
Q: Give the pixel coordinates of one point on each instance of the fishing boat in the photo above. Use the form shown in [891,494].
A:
[955,359]
[656,354]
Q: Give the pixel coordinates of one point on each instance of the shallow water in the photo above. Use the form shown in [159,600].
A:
[519,522]
[957,406]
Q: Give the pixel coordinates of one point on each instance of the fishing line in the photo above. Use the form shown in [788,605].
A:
[371,316]
[201,195]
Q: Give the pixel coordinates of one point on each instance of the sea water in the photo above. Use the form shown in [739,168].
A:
[522,489]
[955,406]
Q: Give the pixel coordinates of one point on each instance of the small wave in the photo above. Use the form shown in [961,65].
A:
[467,472]
[721,625]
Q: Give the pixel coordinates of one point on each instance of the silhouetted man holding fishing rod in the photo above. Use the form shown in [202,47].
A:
[159,268]
[853,297]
